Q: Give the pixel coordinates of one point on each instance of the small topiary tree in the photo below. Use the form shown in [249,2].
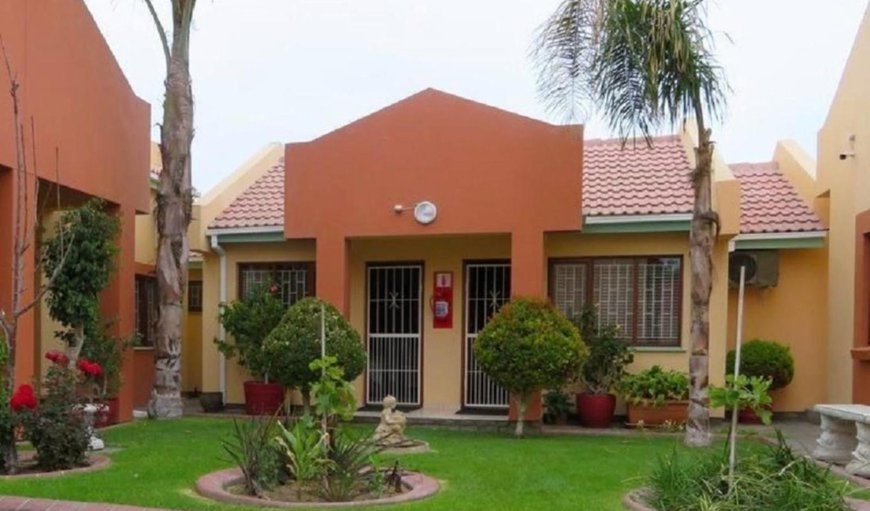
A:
[81,269]
[527,346]
[765,359]
[295,343]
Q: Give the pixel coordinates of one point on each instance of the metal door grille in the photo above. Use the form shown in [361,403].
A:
[393,337]
[487,288]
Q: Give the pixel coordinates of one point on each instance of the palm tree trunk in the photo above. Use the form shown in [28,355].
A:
[174,203]
[701,241]
[522,406]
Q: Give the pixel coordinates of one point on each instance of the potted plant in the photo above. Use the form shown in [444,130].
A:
[764,359]
[248,321]
[602,372]
[656,397]
[557,404]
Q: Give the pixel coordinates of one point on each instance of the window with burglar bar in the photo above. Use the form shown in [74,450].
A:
[293,280]
[640,295]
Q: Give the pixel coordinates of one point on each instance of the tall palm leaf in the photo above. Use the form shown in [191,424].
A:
[644,64]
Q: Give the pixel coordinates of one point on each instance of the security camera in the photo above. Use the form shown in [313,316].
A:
[849,154]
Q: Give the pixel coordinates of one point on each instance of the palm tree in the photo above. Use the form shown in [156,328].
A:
[174,204]
[644,64]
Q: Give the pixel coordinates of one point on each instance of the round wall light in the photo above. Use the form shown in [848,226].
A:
[425,212]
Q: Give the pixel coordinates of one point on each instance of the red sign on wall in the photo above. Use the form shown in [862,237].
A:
[442,300]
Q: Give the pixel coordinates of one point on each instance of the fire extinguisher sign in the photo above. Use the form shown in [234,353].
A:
[442,300]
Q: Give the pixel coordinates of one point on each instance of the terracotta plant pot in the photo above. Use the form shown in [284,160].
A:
[212,402]
[263,398]
[748,416]
[673,412]
[109,415]
[595,410]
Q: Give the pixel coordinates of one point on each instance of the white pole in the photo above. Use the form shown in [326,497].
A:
[732,440]
[322,356]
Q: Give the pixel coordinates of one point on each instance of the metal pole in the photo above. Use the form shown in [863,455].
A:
[732,437]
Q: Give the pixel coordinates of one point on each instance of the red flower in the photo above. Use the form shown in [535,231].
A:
[58,357]
[23,398]
[92,369]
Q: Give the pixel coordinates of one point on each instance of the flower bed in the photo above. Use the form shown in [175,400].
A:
[219,486]
[28,469]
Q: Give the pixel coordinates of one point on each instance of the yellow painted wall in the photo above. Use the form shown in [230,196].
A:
[191,349]
[442,348]
[146,236]
[793,313]
[596,245]
[290,251]
[847,182]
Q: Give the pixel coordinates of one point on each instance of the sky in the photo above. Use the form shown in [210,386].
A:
[291,70]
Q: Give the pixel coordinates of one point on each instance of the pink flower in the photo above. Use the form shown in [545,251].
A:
[58,358]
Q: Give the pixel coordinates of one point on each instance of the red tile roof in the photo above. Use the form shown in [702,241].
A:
[769,202]
[261,205]
[636,179]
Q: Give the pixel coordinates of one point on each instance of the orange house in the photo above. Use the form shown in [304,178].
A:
[84,111]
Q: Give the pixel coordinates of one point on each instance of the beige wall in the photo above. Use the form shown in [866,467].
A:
[847,182]
[442,348]
[793,313]
[191,349]
[592,245]
[236,254]
[146,235]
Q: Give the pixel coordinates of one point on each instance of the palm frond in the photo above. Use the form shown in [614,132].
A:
[639,63]
[563,51]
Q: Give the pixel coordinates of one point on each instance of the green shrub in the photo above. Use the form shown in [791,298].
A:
[527,346]
[766,359]
[249,320]
[608,354]
[773,478]
[556,404]
[655,386]
[108,351]
[295,343]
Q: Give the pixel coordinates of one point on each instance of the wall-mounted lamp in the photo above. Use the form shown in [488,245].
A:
[851,152]
[425,211]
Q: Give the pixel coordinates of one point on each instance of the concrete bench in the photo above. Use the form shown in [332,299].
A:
[845,437]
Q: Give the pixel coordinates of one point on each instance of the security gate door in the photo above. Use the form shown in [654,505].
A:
[487,288]
[393,336]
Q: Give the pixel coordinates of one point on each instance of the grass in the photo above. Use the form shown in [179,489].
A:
[158,463]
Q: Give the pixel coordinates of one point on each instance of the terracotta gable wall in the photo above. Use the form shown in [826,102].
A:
[487,171]
[79,100]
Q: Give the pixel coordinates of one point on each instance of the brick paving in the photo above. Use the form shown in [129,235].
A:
[29,504]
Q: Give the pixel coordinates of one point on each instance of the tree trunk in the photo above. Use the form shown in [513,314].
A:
[306,400]
[522,406]
[701,240]
[174,203]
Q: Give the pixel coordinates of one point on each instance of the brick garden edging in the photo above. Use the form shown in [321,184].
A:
[98,462]
[213,486]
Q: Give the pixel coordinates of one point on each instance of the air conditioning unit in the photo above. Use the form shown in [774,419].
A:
[762,268]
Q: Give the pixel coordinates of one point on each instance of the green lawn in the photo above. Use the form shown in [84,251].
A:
[159,462]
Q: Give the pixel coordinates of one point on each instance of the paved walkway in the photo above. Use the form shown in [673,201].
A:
[27,504]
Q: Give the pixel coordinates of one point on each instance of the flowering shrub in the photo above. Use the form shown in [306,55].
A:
[23,398]
[58,358]
[89,368]
[56,426]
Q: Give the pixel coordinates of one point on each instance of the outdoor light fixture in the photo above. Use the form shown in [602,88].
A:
[425,211]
